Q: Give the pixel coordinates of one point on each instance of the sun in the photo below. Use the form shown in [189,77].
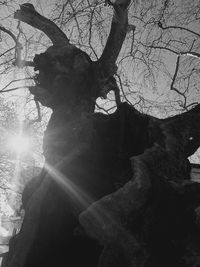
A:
[19,144]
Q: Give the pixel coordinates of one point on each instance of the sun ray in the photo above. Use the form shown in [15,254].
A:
[80,198]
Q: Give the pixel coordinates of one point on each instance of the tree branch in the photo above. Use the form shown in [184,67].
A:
[18,47]
[11,35]
[175,73]
[7,51]
[23,63]
[191,54]
[14,81]
[173,81]
[116,36]
[162,48]
[177,28]
[30,16]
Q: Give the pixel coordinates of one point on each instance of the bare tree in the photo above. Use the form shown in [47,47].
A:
[118,181]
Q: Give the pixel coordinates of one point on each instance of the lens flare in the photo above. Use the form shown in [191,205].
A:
[80,198]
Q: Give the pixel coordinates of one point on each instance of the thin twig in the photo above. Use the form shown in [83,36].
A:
[13,81]
[173,81]
[177,27]
[175,73]
[11,35]
[13,89]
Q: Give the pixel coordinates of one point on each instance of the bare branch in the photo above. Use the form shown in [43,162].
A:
[192,54]
[101,108]
[122,90]
[116,36]
[192,105]
[177,28]
[188,53]
[23,63]
[13,81]
[7,51]
[162,48]
[34,19]
[18,47]
[11,35]
[13,89]
[173,81]
[175,73]
[90,30]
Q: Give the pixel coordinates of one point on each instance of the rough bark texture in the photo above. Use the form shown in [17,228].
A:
[115,189]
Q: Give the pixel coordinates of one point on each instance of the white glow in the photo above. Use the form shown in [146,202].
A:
[19,143]
[3,232]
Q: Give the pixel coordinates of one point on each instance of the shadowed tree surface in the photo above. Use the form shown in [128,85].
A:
[115,189]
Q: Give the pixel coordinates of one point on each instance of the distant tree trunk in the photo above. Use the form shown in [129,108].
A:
[119,181]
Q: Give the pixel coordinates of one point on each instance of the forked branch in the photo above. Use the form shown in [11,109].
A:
[29,15]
